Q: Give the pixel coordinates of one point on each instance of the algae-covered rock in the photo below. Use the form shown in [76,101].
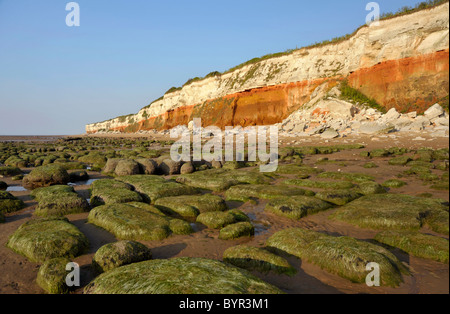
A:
[296,207]
[78,176]
[3,186]
[237,230]
[118,254]
[126,167]
[352,177]
[222,179]
[9,171]
[192,205]
[245,192]
[394,212]
[259,259]
[399,161]
[42,239]
[169,167]
[300,170]
[179,226]
[216,220]
[2,217]
[369,188]
[417,244]
[187,168]
[394,183]
[128,222]
[59,200]
[179,276]
[344,256]
[111,165]
[239,215]
[147,166]
[48,175]
[52,276]
[326,185]
[9,203]
[155,187]
[338,197]
[106,192]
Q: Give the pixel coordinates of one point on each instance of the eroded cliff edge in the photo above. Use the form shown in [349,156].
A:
[403,63]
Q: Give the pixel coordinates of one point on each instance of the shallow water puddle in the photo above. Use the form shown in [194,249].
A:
[87,182]
[16,188]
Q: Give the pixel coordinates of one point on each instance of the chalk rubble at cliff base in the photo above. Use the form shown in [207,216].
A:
[331,118]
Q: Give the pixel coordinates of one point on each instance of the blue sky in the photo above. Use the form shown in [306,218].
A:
[55,79]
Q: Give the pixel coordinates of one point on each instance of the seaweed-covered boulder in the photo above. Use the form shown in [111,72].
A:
[352,177]
[326,185]
[179,226]
[395,212]
[128,222]
[78,176]
[216,220]
[48,175]
[239,215]
[52,276]
[370,187]
[344,256]
[302,171]
[169,167]
[338,197]
[222,179]
[95,159]
[9,171]
[111,165]
[245,192]
[187,168]
[394,183]
[237,230]
[147,166]
[9,203]
[106,192]
[191,205]
[127,167]
[259,259]
[42,239]
[179,276]
[59,200]
[3,186]
[296,207]
[118,254]
[399,161]
[155,187]
[2,217]
[417,244]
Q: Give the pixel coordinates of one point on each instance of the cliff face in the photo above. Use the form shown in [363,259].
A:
[403,63]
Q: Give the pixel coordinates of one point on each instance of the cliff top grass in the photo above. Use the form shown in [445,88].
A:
[259,259]
[46,238]
[395,212]
[417,244]
[344,256]
[179,276]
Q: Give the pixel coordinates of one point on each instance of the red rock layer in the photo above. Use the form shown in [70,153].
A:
[409,84]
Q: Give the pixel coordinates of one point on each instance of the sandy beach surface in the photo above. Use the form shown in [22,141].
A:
[19,274]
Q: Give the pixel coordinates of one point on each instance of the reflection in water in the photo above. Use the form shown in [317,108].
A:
[16,188]
[87,182]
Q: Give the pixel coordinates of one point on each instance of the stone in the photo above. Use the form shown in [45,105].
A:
[375,128]
[329,134]
[434,111]
[187,168]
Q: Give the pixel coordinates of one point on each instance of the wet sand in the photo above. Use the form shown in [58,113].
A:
[19,275]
